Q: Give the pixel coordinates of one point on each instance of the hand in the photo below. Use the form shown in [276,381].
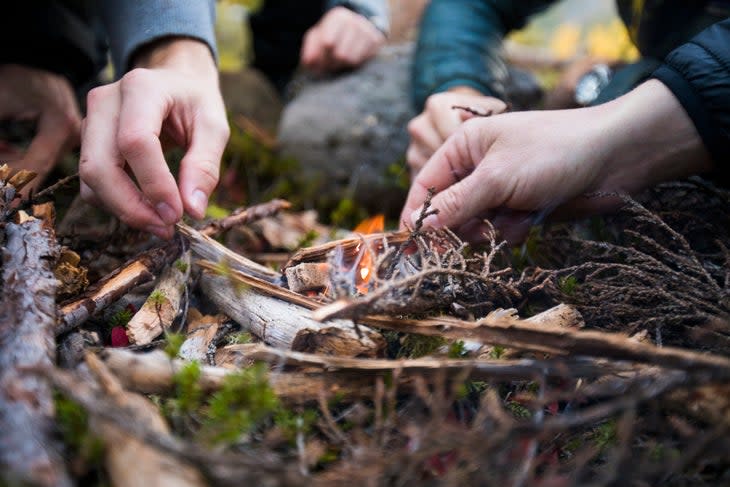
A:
[518,167]
[439,120]
[32,94]
[341,39]
[174,92]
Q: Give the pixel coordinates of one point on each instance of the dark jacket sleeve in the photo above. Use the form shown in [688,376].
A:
[698,73]
[61,37]
[460,42]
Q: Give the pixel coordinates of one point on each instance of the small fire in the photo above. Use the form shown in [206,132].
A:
[375,224]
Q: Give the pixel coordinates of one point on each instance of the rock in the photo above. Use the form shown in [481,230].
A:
[250,94]
[348,132]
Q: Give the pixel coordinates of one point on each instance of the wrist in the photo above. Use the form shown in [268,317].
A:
[180,53]
[465,90]
[653,139]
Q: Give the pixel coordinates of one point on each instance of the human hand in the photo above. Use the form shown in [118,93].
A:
[516,168]
[173,92]
[439,120]
[32,94]
[341,39]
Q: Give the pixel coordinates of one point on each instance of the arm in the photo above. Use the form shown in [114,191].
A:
[171,91]
[460,43]
[698,74]
[348,34]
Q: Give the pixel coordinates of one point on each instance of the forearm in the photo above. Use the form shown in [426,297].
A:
[131,25]
[460,44]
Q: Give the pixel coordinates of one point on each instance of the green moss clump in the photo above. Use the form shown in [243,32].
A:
[182,266]
[73,424]
[120,318]
[239,338]
[567,285]
[245,399]
[174,342]
[188,393]
[415,346]
[457,350]
[292,423]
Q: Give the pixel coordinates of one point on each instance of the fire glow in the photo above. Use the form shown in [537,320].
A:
[375,224]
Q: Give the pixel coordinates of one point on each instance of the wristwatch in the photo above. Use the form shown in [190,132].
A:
[591,84]
[379,21]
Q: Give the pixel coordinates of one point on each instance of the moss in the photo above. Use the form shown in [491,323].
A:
[496,352]
[73,425]
[567,285]
[244,400]
[457,350]
[181,266]
[157,297]
[415,346]
[307,239]
[604,435]
[518,410]
[188,393]
[293,423]
[174,342]
[120,318]
[239,338]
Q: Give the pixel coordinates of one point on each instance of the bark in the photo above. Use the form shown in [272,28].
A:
[201,334]
[349,246]
[114,286]
[308,276]
[28,452]
[163,305]
[286,325]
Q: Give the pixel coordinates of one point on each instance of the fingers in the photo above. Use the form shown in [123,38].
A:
[101,166]
[199,169]
[424,141]
[341,39]
[56,133]
[144,108]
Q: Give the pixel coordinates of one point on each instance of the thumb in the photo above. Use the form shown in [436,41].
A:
[200,168]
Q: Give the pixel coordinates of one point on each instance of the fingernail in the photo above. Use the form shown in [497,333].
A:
[158,231]
[199,201]
[166,212]
[431,221]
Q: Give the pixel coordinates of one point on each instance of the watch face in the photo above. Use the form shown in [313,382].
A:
[591,84]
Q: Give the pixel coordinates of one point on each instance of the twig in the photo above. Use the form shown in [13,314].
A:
[243,216]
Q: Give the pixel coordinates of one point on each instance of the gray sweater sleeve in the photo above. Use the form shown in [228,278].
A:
[375,10]
[131,24]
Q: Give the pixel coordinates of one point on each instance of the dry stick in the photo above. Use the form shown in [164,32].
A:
[524,369]
[150,466]
[154,373]
[201,335]
[28,452]
[243,216]
[115,285]
[502,328]
[50,190]
[208,249]
[284,324]
[163,304]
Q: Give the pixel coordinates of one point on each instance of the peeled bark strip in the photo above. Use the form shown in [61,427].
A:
[308,276]
[131,462]
[114,286]
[285,325]
[208,249]
[243,216]
[28,452]
[163,304]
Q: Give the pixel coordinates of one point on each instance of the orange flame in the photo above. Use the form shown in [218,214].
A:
[375,224]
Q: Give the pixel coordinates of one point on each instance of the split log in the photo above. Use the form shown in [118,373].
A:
[154,373]
[201,333]
[163,304]
[28,452]
[112,287]
[129,461]
[243,216]
[308,276]
[503,328]
[285,324]
[208,249]
[350,246]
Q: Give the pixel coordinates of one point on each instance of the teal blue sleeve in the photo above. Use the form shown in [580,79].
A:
[460,43]
[132,24]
